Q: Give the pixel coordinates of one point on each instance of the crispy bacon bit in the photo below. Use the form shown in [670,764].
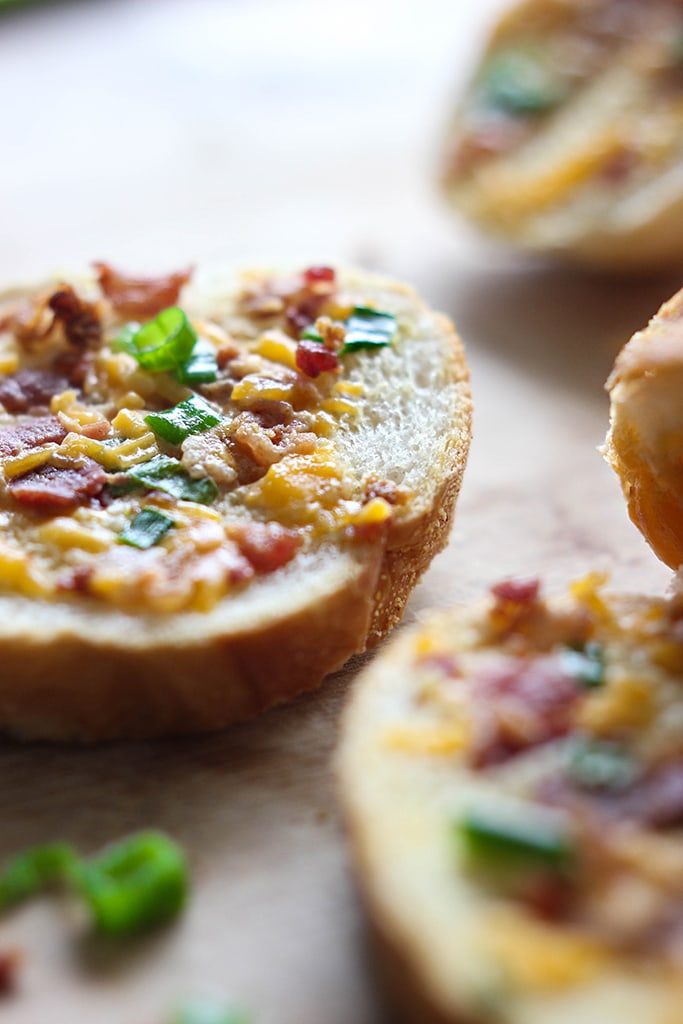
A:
[520,703]
[45,430]
[80,320]
[312,358]
[314,275]
[51,489]
[9,965]
[140,296]
[392,493]
[267,546]
[29,389]
[74,364]
[517,591]
[78,580]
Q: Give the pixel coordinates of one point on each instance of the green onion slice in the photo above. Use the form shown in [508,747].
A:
[517,82]
[586,664]
[205,1010]
[148,528]
[601,764]
[529,838]
[135,884]
[201,367]
[368,328]
[165,343]
[191,416]
[35,868]
[162,473]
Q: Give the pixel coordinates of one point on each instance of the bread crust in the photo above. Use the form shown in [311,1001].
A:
[645,437]
[72,671]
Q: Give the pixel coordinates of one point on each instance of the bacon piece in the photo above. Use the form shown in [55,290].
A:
[44,430]
[140,296]
[314,275]
[521,703]
[517,591]
[51,489]
[312,358]
[79,318]
[74,364]
[27,389]
[267,546]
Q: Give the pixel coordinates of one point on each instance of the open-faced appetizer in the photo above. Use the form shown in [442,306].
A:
[213,490]
[512,777]
[569,138]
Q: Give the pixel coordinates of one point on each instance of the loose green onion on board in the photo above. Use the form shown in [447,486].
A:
[135,883]
[148,528]
[205,1010]
[191,416]
[131,885]
[163,473]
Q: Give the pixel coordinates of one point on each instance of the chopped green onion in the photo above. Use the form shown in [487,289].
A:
[191,416]
[201,367]
[162,473]
[518,83]
[147,529]
[164,343]
[601,764]
[135,884]
[586,665]
[311,334]
[368,328]
[34,868]
[529,838]
[207,1011]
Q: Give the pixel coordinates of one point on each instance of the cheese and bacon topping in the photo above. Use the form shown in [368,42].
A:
[567,719]
[153,460]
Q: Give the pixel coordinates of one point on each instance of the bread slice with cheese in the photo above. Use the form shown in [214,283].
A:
[215,489]
[569,138]
[512,779]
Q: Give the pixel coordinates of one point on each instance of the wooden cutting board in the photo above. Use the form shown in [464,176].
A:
[150,132]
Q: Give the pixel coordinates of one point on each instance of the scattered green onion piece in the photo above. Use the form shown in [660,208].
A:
[201,367]
[162,473]
[601,764]
[34,868]
[518,83]
[191,416]
[135,884]
[368,328]
[207,1011]
[148,528]
[165,343]
[531,839]
[586,665]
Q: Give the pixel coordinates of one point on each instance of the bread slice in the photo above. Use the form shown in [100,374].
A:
[569,138]
[279,537]
[511,779]
[645,440]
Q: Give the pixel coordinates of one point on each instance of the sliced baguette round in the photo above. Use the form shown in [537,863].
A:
[645,440]
[569,138]
[481,722]
[90,663]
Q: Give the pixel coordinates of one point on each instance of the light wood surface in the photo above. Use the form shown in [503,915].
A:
[150,132]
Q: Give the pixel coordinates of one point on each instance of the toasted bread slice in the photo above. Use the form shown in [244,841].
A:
[513,788]
[645,440]
[205,515]
[569,139]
